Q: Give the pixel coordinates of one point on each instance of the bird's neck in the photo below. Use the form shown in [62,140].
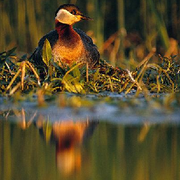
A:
[64,30]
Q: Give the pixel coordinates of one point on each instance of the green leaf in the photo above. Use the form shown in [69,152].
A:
[71,84]
[160,24]
[67,81]
[2,53]
[11,51]
[76,72]
[23,58]
[96,75]
[58,68]
[47,53]
[4,56]
[2,61]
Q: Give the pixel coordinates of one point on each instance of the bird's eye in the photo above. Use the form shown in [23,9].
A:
[73,12]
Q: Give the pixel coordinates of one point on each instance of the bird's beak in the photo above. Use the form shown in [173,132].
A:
[83,17]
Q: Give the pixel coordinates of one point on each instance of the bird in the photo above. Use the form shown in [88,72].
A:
[69,45]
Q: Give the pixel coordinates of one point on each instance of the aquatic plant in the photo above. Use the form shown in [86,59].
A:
[21,75]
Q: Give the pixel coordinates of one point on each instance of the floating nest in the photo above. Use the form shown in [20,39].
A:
[20,75]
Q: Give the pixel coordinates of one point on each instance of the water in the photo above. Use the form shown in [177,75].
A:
[99,142]
[88,150]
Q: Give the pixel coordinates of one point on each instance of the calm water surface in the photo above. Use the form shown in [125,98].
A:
[85,149]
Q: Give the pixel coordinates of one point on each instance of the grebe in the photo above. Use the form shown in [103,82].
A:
[69,45]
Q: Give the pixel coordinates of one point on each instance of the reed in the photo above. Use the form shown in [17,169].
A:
[23,23]
[122,31]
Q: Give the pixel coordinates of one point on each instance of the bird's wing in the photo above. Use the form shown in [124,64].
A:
[52,37]
[93,53]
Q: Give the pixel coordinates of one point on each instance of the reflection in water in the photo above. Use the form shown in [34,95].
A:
[68,137]
[69,150]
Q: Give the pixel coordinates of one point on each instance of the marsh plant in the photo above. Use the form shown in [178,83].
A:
[21,75]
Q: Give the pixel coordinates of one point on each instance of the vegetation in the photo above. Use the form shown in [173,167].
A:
[129,45]
[140,40]
[132,28]
[18,74]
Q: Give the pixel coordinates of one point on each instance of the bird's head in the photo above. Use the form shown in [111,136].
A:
[69,14]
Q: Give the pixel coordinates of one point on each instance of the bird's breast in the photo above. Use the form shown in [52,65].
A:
[69,50]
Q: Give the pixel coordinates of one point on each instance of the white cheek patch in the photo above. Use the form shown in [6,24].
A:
[66,17]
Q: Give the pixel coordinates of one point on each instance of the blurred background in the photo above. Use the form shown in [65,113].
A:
[121,29]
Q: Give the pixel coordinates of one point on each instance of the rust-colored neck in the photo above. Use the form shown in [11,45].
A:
[59,26]
[63,29]
[67,35]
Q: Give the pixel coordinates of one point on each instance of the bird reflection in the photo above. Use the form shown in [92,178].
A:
[68,137]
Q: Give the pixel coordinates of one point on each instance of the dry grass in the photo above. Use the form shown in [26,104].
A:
[20,75]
